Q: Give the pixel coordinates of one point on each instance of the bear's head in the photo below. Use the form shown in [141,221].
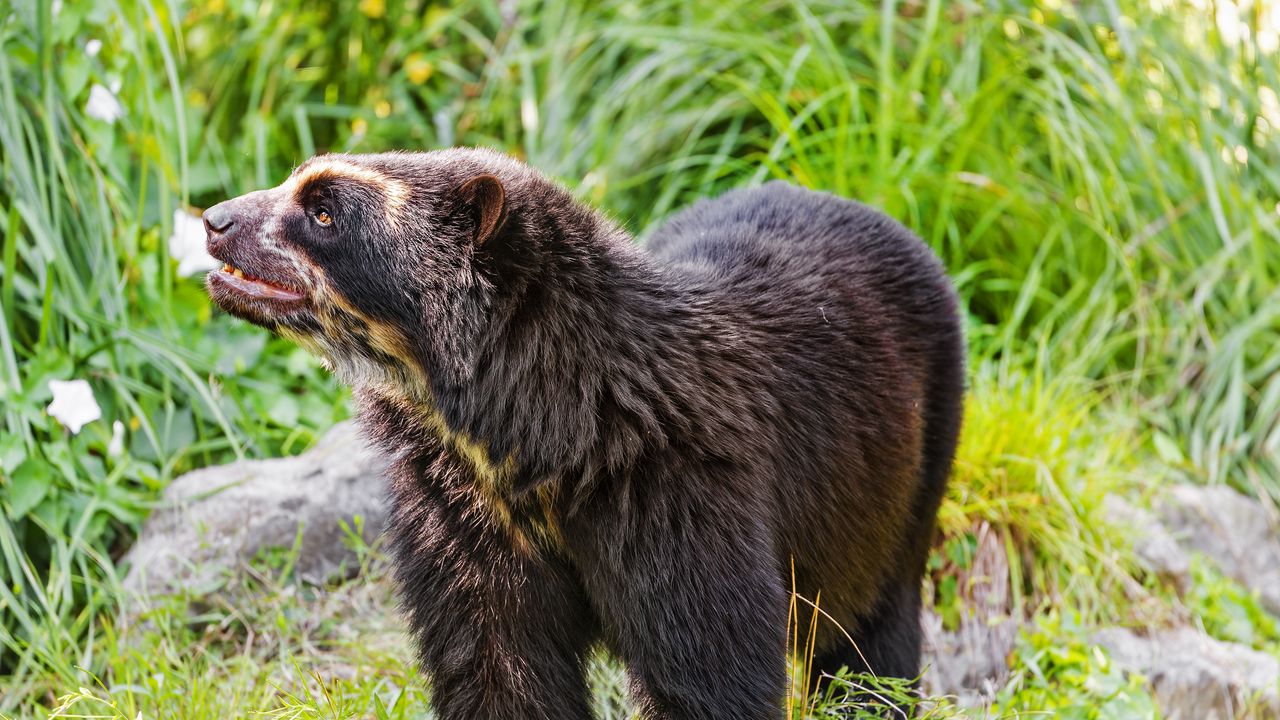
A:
[386,266]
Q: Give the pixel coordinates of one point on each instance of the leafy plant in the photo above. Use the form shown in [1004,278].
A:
[1228,611]
[1035,463]
[1059,672]
[91,180]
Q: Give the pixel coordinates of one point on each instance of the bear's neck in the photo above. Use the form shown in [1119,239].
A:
[604,357]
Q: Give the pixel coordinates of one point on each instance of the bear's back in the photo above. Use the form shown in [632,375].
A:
[789,251]
[789,232]
[859,326]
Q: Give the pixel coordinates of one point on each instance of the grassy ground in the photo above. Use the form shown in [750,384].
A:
[1099,177]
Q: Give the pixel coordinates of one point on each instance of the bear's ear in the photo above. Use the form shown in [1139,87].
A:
[484,197]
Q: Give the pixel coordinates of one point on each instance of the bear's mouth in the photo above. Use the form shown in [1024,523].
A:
[254,287]
[255,296]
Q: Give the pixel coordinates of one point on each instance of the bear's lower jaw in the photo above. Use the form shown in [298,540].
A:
[257,301]
[256,287]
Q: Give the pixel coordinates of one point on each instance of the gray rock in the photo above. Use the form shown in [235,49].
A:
[1194,677]
[1239,534]
[971,662]
[1156,549]
[217,519]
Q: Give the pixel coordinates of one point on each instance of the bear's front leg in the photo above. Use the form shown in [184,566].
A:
[680,568]
[501,625]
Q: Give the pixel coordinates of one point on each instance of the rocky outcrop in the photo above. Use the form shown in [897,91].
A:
[971,661]
[1239,534]
[1194,677]
[1190,674]
[1156,549]
[216,520]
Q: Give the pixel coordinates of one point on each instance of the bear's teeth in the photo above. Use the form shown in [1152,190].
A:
[226,267]
[238,273]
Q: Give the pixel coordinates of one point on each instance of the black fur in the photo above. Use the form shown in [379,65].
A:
[594,442]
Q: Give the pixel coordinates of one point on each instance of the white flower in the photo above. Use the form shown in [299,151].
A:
[73,404]
[116,447]
[103,105]
[93,47]
[187,245]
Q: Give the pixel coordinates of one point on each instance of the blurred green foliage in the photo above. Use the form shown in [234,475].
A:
[1101,179]
[1059,673]
[1229,612]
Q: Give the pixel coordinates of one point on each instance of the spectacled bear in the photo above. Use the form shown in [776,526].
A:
[594,443]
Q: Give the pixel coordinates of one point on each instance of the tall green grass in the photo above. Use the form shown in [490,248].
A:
[88,292]
[1100,179]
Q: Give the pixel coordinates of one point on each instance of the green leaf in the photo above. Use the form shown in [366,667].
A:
[12,452]
[239,352]
[284,411]
[28,486]
[74,70]
[1167,449]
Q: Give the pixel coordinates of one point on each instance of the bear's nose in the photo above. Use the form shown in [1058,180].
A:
[219,218]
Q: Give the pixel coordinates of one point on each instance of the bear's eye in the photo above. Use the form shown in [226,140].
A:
[323,217]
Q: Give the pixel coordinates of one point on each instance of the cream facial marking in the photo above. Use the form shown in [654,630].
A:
[394,192]
[267,234]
